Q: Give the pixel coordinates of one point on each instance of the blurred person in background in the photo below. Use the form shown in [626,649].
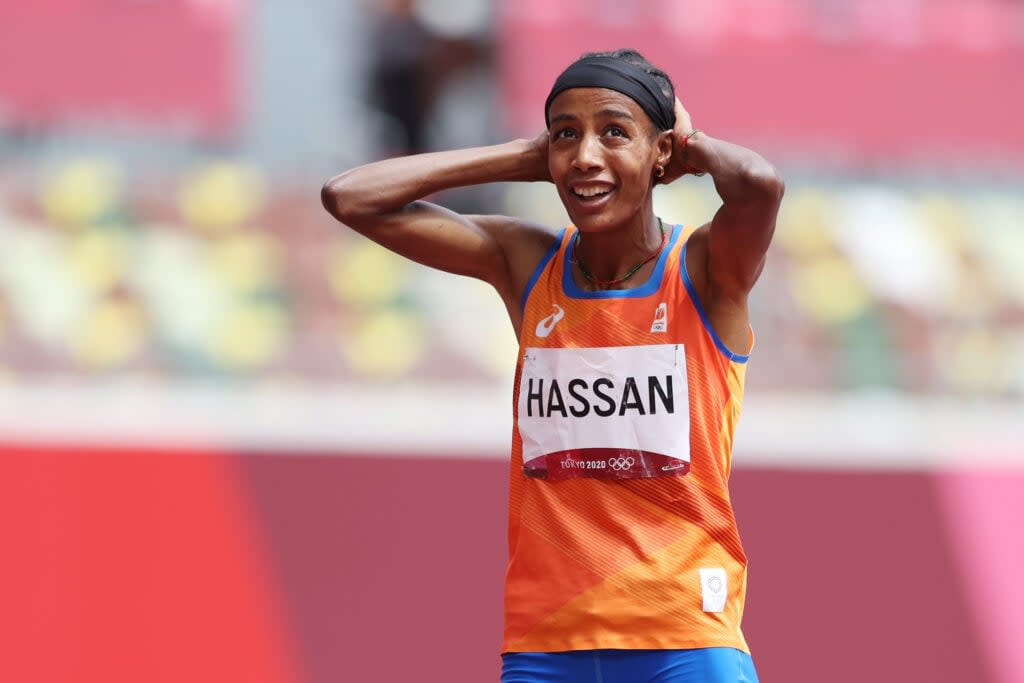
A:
[402,49]
[411,66]
[625,563]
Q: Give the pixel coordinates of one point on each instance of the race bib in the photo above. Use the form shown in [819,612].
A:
[618,412]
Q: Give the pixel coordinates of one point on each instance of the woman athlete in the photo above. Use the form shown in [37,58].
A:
[625,565]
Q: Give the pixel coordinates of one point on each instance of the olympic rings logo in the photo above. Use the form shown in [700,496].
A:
[619,464]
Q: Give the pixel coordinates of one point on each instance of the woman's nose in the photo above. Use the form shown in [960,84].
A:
[588,154]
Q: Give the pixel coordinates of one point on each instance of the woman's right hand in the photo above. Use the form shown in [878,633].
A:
[538,159]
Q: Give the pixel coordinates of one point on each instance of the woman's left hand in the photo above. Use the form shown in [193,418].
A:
[677,166]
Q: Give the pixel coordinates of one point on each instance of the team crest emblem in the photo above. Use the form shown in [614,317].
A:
[660,323]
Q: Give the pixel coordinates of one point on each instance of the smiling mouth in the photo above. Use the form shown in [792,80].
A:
[587,194]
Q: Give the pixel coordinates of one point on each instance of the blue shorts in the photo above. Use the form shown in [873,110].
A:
[703,665]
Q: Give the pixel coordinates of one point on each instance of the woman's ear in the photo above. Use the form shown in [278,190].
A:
[664,145]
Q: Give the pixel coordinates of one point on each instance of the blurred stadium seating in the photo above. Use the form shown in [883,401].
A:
[907,286]
[226,268]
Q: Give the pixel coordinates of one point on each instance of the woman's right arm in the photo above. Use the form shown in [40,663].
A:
[383,200]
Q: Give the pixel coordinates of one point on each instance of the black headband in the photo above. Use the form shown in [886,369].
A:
[620,76]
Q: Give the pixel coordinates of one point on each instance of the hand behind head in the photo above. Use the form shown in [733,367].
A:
[676,167]
[539,158]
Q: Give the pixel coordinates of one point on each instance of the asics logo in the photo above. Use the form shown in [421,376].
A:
[669,468]
[619,464]
[545,326]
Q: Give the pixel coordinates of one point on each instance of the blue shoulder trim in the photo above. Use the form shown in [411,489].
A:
[700,310]
[548,255]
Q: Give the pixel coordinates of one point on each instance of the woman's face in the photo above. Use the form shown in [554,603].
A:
[602,155]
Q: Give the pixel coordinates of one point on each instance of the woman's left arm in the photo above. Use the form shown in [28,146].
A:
[742,228]
[751,191]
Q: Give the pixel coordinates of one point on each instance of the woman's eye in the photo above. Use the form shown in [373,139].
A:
[564,133]
[615,131]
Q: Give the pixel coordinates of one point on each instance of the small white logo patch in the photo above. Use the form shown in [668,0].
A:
[714,588]
[660,323]
[545,326]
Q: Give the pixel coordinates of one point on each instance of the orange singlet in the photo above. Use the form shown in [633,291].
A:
[621,531]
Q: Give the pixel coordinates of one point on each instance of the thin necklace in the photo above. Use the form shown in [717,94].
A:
[605,284]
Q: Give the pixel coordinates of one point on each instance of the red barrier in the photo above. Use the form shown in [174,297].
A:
[135,565]
[164,565]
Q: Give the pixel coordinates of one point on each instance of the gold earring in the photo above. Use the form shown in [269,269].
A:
[658,171]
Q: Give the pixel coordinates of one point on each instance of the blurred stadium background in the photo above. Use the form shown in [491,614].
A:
[238,443]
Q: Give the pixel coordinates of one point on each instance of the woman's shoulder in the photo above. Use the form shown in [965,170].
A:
[524,242]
